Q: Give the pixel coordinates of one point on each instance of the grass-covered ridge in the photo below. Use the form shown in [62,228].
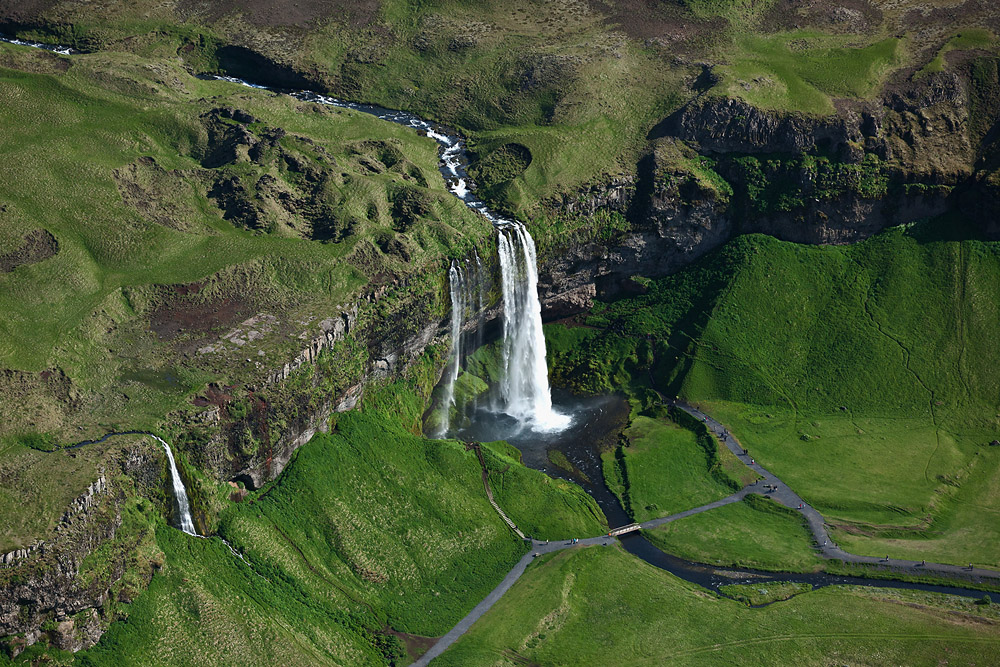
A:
[368,528]
[868,385]
[805,70]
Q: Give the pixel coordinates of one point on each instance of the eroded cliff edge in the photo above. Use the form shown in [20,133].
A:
[719,167]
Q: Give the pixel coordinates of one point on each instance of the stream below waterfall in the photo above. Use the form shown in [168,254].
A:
[596,426]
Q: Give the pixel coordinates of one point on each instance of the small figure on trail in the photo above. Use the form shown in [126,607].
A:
[800,505]
[922,563]
[752,462]
[887,558]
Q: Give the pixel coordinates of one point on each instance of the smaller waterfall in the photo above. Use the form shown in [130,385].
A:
[458,292]
[525,385]
[468,291]
[482,296]
[183,506]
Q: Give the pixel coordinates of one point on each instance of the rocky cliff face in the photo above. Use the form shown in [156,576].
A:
[674,231]
[53,592]
[719,167]
[375,339]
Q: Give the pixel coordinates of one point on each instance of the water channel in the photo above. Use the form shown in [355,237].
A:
[597,424]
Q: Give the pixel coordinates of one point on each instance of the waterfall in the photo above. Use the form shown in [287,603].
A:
[525,384]
[481,298]
[457,290]
[183,506]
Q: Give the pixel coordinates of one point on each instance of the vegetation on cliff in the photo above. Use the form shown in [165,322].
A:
[867,383]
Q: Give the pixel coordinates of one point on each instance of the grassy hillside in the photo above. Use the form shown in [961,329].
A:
[601,606]
[543,507]
[869,384]
[398,522]
[207,606]
[368,528]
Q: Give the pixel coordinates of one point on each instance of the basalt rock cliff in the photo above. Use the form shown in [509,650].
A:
[719,167]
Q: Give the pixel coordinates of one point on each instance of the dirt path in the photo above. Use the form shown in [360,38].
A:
[780,492]
[770,486]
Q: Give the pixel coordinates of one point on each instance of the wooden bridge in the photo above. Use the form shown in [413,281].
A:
[631,528]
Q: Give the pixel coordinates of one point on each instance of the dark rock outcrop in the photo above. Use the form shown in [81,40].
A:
[38,245]
[885,162]
[42,585]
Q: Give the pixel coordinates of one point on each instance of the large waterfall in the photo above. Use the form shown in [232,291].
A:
[525,384]
[183,506]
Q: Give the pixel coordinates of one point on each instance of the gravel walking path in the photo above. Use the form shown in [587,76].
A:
[769,486]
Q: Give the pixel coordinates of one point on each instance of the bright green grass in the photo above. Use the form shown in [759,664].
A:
[972,38]
[601,606]
[756,533]
[666,468]
[207,607]
[387,518]
[965,528]
[802,70]
[765,593]
[543,507]
[863,376]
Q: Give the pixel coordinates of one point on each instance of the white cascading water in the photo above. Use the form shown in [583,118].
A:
[183,506]
[525,385]
[457,290]
[525,390]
